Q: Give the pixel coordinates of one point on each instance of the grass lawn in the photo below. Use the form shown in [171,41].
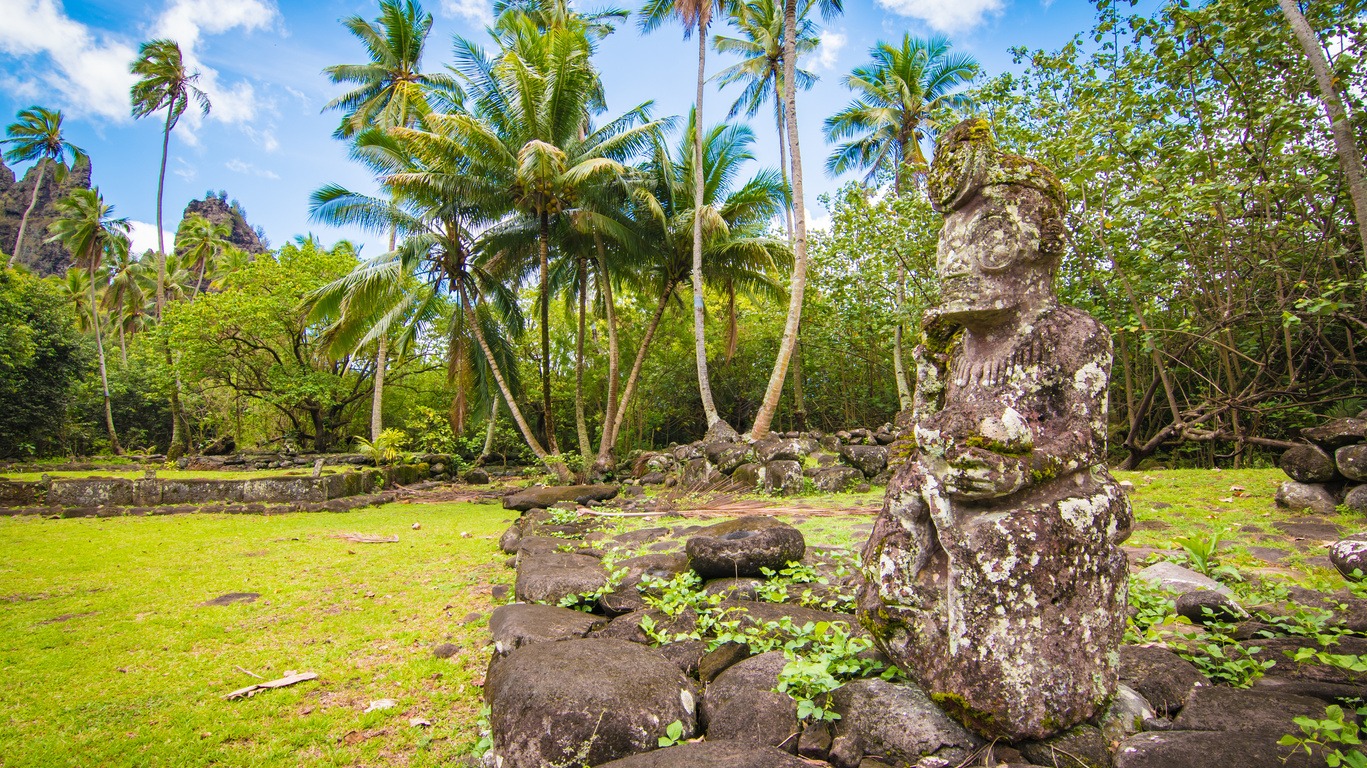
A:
[108,658]
[175,474]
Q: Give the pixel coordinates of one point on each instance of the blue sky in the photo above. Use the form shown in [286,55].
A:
[268,145]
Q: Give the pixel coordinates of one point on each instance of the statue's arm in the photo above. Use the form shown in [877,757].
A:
[1074,438]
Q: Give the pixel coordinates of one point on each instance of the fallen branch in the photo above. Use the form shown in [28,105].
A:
[361,538]
[252,690]
[248,672]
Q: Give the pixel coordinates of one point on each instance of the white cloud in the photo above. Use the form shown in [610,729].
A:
[829,49]
[263,137]
[478,11]
[187,22]
[820,221]
[945,15]
[143,237]
[91,70]
[238,166]
[184,169]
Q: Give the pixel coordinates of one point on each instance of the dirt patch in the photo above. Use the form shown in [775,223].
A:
[66,617]
[1318,529]
[232,597]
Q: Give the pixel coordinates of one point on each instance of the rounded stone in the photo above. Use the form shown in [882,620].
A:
[1356,499]
[1308,464]
[712,754]
[584,702]
[742,547]
[1299,497]
[1350,555]
[1352,462]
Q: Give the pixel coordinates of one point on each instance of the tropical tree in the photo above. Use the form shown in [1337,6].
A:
[85,226]
[123,297]
[37,135]
[900,97]
[390,90]
[201,244]
[737,249]
[695,16]
[164,83]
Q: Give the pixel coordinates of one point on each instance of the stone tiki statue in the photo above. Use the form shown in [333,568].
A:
[995,574]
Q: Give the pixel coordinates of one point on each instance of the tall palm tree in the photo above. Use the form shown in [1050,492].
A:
[86,227]
[695,16]
[898,97]
[390,90]
[123,298]
[735,218]
[797,284]
[760,47]
[201,243]
[37,135]
[529,151]
[164,83]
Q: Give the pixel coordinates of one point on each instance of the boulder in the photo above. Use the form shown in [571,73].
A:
[1352,462]
[727,456]
[698,473]
[1125,716]
[837,479]
[1206,749]
[1163,678]
[756,717]
[758,614]
[686,453]
[720,432]
[1350,555]
[542,497]
[519,624]
[1203,605]
[748,476]
[1308,464]
[900,722]
[742,547]
[628,625]
[654,478]
[1356,499]
[548,577]
[719,659]
[1176,579]
[476,476]
[783,477]
[869,459]
[1218,708]
[776,449]
[1083,746]
[685,654]
[712,754]
[581,702]
[626,597]
[1337,434]
[1302,497]
[757,673]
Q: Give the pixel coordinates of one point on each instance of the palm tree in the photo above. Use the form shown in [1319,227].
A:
[37,135]
[760,23]
[695,16]
[898,97]
[201,243]
[123,298]
[164,84]
[391,90]
[735,218]
[797,284]
[86,227]
[528,150]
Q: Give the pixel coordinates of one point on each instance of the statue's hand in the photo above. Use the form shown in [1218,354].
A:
[977,473]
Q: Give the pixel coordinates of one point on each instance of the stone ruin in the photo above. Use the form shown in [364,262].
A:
[1329,470]
[996,578]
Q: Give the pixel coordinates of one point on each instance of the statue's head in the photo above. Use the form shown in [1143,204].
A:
[1003,233]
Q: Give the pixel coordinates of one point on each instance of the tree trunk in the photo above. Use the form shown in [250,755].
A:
[899,366]
[795,375]
[123,344]
[104,376]
[23,220]
[161,244]
[798,284]
[556,466]
[699,338]
[546,332]
[489,432]
[783,162]
[1344,142]
[585,446]
[614,353]
[377,399]
[180,437]
[606,448]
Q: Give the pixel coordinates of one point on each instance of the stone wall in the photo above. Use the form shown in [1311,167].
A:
[151,492]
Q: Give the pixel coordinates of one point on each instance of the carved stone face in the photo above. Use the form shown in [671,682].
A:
[988,259]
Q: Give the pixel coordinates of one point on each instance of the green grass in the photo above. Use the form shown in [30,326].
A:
[173,474]
[137,674]
[134,672]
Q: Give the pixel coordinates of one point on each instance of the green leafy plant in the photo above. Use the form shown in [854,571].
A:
[586,601]
[387,448]
[1224,660]
[1202,556]
[1150,606]
[565,517]
[1330,735]
[673,733]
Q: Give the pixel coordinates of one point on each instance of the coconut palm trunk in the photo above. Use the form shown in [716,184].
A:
[23,220]
[557,466]
[545,269]
[161,238]
[489,433]
[614,358]
[798,284]
[699,316]
[585,446]
[899,366]
[635,375]
[104,375]
[377,397]
[1344,142]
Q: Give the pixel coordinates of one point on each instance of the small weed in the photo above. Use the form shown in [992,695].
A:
[1331,735]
